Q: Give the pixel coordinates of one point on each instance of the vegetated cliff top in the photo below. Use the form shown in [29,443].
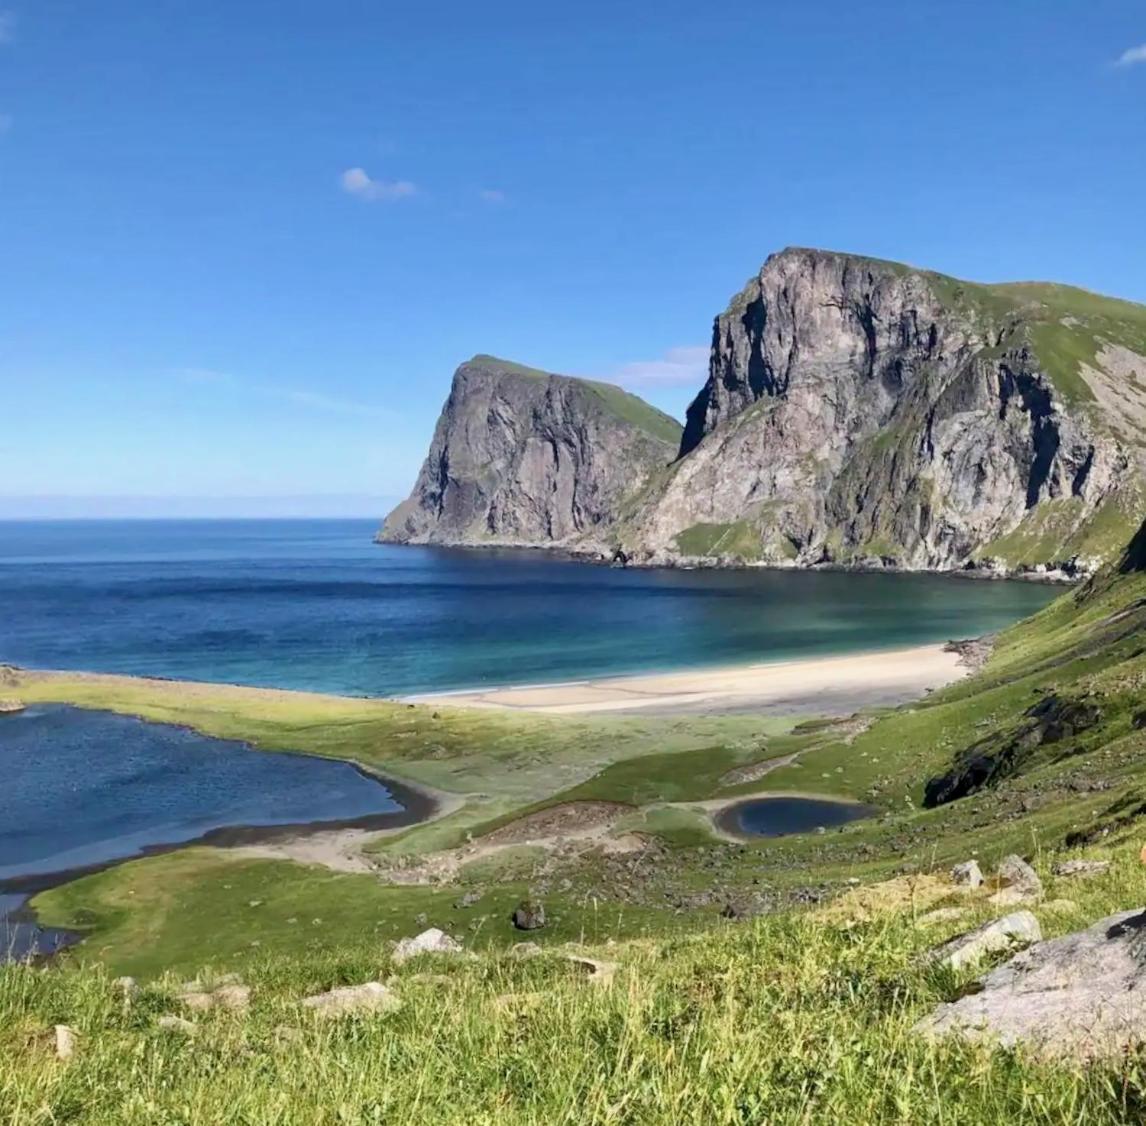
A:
[621,403]
[1065,325]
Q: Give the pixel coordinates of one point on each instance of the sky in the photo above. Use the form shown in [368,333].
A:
[243,246]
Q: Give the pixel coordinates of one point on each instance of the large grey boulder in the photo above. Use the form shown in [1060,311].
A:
[1079,996]
[999,934]
[968,874]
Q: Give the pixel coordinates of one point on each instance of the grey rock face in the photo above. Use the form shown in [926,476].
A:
[998,934]
[1076,996]
[370,997]
[969,874]
[1021,883]
[522,457]
[862,412]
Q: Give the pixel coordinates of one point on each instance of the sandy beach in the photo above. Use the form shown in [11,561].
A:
[820,685]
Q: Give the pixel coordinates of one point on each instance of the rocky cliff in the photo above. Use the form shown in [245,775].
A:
[857,413]
[522,457]
[862,412]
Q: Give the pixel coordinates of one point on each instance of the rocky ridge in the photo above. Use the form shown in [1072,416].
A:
[857,413]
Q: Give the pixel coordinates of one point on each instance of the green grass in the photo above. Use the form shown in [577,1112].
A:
[739,540]
[621,403]
[794,1018]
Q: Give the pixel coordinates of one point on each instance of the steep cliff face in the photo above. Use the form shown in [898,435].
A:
[862,412]
[523,457]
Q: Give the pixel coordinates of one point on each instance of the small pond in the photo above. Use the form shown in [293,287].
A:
[783,815]
[84,789]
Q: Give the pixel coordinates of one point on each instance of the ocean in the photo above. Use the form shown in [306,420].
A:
[314,604]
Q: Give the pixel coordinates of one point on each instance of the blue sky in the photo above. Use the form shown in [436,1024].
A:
[246,244]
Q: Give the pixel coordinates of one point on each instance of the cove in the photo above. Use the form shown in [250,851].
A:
[85,789]
[781,816]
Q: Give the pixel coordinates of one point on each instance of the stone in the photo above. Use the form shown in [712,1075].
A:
[197,1001]
[432,941]
[1075,997]
[65,1040]
[1021,883]
[237,998]
[529,915]
[171,1023]
[999,934]
[469,899]
[348,1000]
[10,706]
[1072,868]
[127,987]
[941,915]
[598,972]
[523,950]
[968,874]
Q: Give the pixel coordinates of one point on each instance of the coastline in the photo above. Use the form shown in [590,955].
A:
[832,685]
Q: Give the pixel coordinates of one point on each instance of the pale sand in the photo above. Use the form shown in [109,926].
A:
[817,686]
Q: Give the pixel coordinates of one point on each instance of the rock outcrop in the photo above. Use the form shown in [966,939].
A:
[857,413]
[525,458]
[861,412]
[1078,996]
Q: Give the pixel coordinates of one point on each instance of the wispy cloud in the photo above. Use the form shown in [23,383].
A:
[1131,57]
[678,367]
[492,195]
[317,401]
[7,26]
[356,182]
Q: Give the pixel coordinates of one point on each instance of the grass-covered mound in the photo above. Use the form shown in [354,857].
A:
[800,1016]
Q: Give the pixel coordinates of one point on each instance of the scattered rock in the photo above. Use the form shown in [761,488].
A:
[524,950]
[173,1023]
[196,1001]
[1021,883]
[1081,867]
[432,941]
[370,997]
[941,915]
[1078,996]
[127,988]
[469,899]
[228,993]
[529,915]
[11,707]
[237,998]
[598,973]
[998,934]
[65,1042]
[968,874]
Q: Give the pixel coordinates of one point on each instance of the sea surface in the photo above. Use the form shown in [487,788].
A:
[83,789]
[314,604]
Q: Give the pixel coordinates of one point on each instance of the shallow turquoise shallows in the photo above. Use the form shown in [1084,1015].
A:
[314,604]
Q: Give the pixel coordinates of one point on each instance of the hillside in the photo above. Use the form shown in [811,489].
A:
[862,412]
[523,457]
[858,413]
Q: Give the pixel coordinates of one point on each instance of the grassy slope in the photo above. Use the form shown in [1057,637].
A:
[626,406]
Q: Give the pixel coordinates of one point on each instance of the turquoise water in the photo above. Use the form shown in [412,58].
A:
[314,604]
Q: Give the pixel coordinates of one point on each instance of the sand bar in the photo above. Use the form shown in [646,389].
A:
[812,686]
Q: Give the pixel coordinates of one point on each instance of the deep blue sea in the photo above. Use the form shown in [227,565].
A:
[314,604]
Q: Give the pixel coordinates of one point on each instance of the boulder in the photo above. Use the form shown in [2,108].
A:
[432,941]
[65,1038]
[370,997]
[597,972]
[529,915]
[968,874]
[1020,882]
[10,707]
[1071,868]
[170,1023]
[1078,996]
[999,934]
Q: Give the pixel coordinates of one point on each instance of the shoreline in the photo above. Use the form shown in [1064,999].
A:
[839,684]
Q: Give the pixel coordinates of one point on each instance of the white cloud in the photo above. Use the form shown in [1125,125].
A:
[1134,55]
[7,26]
[355,181]
[686,366]
[492,195]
